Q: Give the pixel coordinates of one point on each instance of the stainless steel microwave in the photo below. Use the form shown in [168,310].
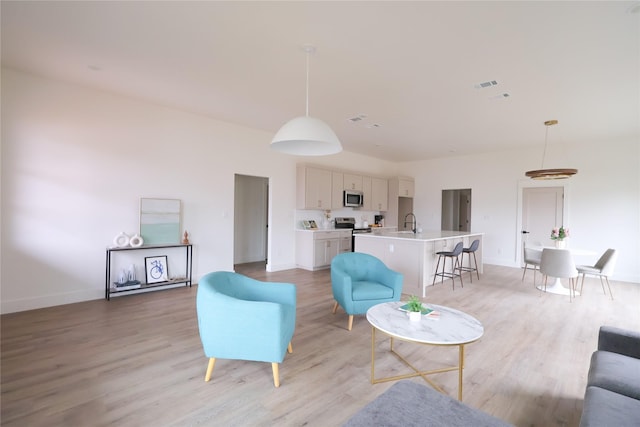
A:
[353,199]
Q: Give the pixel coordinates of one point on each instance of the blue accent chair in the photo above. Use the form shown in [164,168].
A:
[245,319]
[359,281]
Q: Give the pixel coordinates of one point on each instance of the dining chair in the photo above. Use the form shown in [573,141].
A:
[471,250]
[531,257]
[602,268]
[454,255]
[559,263]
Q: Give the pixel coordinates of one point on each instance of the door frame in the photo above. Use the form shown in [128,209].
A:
[531,183]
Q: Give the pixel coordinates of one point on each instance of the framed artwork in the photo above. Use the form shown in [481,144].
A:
[305,224]
[156,269]
[160,221]
[312,224]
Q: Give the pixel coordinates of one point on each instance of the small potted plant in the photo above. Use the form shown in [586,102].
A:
[414,307]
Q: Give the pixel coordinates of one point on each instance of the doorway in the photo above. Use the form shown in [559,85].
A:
[251,207]
[541,207]
[456,210]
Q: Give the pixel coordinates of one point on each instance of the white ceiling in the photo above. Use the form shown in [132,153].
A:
[410,67]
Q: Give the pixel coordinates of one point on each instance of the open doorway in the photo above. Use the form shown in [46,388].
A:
[251,208]
[456,210]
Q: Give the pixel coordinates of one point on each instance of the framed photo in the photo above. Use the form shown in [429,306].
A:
[305,224]
[313,224]
[156,269]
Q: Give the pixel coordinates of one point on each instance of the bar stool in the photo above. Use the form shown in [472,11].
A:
[471,250]
[455,265]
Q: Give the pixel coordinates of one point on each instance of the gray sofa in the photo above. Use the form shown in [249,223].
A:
[612,397]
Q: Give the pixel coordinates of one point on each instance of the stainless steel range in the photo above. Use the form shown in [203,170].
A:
[350,222]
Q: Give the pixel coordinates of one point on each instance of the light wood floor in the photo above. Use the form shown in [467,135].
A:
[137,360]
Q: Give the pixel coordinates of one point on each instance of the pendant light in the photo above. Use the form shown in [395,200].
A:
[305,135]
[550,173]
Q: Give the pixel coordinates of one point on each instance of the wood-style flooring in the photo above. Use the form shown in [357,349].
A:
[137,360]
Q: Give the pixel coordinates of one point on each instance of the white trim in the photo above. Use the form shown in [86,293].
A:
[531,183]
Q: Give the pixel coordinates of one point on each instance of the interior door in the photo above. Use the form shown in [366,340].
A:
[542,209]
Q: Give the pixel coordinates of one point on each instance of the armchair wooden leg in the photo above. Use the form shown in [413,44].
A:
[290,348]
[212,361]
[335,307]
[609,286]
[276,375]
[350,321]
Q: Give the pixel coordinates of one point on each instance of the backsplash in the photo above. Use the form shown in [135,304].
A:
[319,216]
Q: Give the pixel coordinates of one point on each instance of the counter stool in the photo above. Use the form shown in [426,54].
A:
[455,265]
[471,250]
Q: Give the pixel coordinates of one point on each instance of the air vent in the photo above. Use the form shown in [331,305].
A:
[357,118]
[486,84]
[500,96]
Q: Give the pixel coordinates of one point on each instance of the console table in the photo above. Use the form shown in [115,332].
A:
[110,287]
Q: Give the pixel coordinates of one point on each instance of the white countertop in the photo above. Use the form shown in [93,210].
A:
[424,236]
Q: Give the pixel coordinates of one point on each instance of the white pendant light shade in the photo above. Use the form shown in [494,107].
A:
[306,136]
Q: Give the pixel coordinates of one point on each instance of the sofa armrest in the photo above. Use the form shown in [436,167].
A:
[619,341]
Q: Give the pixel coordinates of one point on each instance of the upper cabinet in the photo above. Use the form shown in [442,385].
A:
[406,187]
[320,188]
[379,194]
[337,188]
[352,182]
[313,188]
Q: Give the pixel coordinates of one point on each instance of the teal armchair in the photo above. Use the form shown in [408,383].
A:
[245,319]
[359,281]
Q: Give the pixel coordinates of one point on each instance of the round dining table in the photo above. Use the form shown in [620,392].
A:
[556,287]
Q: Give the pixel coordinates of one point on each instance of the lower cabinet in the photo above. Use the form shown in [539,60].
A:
[316,249]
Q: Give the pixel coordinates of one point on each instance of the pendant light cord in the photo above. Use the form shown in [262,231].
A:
[544,152]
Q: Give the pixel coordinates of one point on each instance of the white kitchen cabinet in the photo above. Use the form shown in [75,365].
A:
[352,182]
[379,194]
[314,188]
[316,249]
[367,193]
[406,187]
[337,190]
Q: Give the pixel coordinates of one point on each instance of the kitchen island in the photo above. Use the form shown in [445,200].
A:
[414,255]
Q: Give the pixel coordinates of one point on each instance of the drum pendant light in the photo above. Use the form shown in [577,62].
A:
[305,135]
[550,173]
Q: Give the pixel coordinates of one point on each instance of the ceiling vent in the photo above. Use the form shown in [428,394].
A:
[500,96]
[357,118]
[484,85]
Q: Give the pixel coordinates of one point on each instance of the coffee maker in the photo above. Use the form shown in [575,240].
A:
[378,220]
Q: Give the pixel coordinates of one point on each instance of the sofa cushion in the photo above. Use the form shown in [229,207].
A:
[606,408]
[615,372]
[409,404]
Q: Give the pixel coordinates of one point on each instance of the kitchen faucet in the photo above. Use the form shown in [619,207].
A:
[413,222]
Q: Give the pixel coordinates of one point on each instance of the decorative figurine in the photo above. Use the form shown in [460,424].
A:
[185,239]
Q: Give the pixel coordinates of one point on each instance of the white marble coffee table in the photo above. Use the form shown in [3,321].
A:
[451,328]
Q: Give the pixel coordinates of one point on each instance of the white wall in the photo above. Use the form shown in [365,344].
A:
[75,162]
[603,199]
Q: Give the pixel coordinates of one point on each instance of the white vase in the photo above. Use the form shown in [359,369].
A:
[415,316]
[136,241]
[121,240]
[560,244]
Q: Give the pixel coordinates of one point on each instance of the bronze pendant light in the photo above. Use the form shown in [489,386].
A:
[550,173]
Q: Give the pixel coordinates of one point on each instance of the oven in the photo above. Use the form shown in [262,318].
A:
[350,223]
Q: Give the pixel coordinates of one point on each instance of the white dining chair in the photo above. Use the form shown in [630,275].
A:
[603,268]
[531,257]
[559,263]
